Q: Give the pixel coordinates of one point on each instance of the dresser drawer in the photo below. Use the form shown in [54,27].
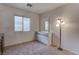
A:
[42,39]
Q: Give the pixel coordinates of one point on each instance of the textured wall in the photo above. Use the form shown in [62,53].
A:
[7,25]
[70,31]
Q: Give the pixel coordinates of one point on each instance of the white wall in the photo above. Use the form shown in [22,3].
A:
[70,31]
[7,25]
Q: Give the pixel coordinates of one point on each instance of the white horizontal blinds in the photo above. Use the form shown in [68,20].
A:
[46,25]
[26,24]
[18,23]
[22,23]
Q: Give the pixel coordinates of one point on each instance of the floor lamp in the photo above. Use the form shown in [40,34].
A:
[59,24]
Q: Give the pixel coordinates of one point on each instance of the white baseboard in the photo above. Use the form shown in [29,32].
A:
[76,53]
[18,43]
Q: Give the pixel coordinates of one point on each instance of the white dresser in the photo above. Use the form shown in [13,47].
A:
[42,37]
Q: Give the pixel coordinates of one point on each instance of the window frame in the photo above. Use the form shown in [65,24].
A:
[22,23]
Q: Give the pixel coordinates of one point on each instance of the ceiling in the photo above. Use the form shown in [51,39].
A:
[36,7]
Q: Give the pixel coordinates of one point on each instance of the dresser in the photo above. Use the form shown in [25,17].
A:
[1,43]
[42,37]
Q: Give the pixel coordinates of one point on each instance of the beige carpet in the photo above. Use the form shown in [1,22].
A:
[34,48]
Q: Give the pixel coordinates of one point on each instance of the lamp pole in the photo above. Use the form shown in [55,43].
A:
[60,37]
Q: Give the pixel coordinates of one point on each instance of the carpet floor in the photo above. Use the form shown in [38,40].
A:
[34,48]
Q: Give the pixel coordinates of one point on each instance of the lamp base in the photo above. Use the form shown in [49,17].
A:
[60,49]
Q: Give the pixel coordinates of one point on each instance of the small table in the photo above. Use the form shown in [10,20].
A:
[1,43]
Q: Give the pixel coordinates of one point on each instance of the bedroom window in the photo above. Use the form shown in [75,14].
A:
[21,23]
[46,25]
